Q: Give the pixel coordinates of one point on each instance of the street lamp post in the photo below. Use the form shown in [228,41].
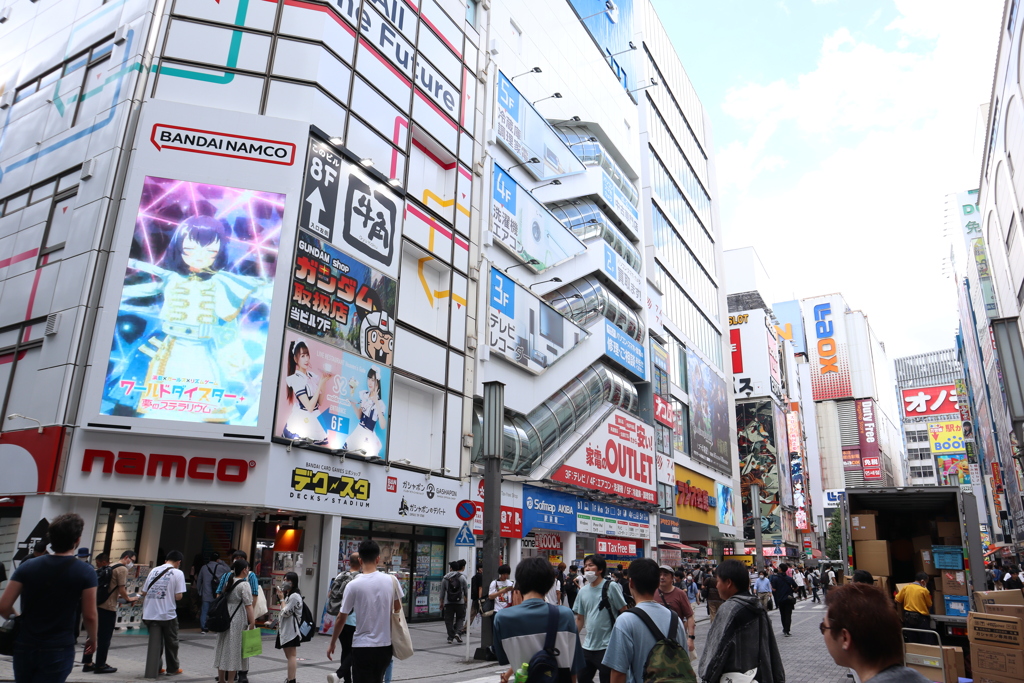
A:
[493,427]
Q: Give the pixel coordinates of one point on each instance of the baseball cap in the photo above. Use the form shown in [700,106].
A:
[666,568]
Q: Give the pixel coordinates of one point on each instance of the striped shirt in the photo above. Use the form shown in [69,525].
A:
[519,634]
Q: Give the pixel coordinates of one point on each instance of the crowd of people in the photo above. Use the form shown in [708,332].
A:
[588,623]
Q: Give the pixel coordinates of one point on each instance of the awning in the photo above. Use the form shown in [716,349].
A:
[680,546]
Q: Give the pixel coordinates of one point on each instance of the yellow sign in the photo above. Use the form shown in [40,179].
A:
[745,559]
[739,319]
[555,560]
[946,437]
[694,494]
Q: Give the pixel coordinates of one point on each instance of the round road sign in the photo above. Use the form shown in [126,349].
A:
[465,510]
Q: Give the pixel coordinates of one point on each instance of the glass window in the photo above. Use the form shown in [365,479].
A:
[43,191]
[663,439]
[681,431]
[90,103]
[472,11]
[16,202]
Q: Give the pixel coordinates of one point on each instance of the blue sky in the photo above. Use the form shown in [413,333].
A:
[838,129]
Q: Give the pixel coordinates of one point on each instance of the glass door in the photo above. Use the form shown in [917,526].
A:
[430,569]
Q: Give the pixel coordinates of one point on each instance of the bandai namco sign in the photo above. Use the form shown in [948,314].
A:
[200,468]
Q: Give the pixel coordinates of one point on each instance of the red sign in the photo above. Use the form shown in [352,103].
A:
[737,350]
[30,459]
[691,496]
[229,470]
[870,455]
[940,400]
[547,540]
[663,412]
[616,546]
[392,485]
[511,521]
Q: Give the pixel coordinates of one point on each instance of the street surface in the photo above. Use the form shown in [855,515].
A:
[804,655]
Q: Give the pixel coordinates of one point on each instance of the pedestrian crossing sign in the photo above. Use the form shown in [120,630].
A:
[465,537]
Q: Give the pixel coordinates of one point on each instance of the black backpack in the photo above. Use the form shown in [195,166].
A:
[668,661]
[219,619]
[604,604]
[544,664]
[103,578]
[453,589]
[305,626]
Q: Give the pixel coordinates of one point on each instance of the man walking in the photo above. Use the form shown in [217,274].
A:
[454,591]
[763,589]
[571,586]
[784,590]
[339,632]
[208,580]
[828,580]
[711,595]
[673,598]
[162,589]
[373,596]
[801,583]
[741,638]
[107,596]
[51,587]
[598,603]
[915,601]
[476,588]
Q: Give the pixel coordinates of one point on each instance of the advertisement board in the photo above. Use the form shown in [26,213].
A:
[946,437]
[527,135]
[525,227]
[347,207]
[870,455]
[759,464]
[736,347]
[612,31]
[624,350]
[511,521]
[695,497]
[791,324]
[827,352]
[668,529]
[31,458]
[617,457]
[755,355]
[964,408]
[796,467]
[953,470]
[546,509]
[332,398]
[623,275]
[616,546]
[925,401]
[620,204]
[593,517]
[851,459]
[831,497]
[341,301]
[726,514]
[709,416]
[970,223]
[524,330]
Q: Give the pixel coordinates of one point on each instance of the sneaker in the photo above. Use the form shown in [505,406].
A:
[86,668]
[449,641]
[105,669]
[333,678]
[203,633]
[458,639]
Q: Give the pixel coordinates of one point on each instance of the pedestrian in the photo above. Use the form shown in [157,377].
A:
[633,637]
[992,575]
[346,632]
[784,593]
[161,591]
[208,580]
[597,606]
[711,595]
[254,585]
[862,632]
[571,587]
[1012,580]
[373,596]
[763,589]
[801,583]
[51,588]
[828,580]
[815,585]
[500,589]
[915,600]
[476,589]
[288,637]
[861,576]
[110,589]
[676,600]
[692,591]
[227,658]
[741,638]
[561,578]
[454,593]
[519,630]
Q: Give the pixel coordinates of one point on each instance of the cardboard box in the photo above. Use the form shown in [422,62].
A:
[954,582]
[948,529]
[923,562]
[939,603]
[985,598]
[922,542]
[927,660]
[872,557]
[997,661]
[954,658]
[885,583]
[901,550]
[995,630]
[950,540]
[863,527]
[981,678]
[1005,610]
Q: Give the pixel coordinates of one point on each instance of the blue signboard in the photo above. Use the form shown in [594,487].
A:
[612,30]
[544,509]
[503,293]
[622,348]
[791,324]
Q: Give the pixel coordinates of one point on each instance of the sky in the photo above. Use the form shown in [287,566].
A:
[838,128]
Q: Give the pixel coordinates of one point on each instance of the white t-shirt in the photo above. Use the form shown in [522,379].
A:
[799,578]
[372,597]
[552,596]
[159,604]
[503,600]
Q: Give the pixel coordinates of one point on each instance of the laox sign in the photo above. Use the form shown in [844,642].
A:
[229,470]
[824,330]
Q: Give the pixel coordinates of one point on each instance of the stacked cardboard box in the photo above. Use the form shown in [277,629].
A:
[997,640]
[922,546]
[945,664]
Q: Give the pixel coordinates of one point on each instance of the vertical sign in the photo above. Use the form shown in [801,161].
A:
[870,456]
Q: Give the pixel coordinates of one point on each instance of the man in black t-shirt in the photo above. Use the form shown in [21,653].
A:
[476,587]
[51,588]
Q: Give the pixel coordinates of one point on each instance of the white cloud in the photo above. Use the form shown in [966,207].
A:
[893,130]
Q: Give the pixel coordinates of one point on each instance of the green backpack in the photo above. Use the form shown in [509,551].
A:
[668,661]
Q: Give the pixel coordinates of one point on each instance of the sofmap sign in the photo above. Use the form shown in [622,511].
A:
[828,354]
[544,509]
[624,350]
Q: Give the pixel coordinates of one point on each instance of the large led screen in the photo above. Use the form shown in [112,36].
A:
[709,416]
[194,312]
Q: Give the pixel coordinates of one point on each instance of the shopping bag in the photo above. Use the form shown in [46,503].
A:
[401,639]
[737,677]
[252,643]
[259,608]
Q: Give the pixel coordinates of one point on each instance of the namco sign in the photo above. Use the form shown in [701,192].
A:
[132,464]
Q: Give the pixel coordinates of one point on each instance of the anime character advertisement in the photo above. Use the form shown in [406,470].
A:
[709,416]
[192,324]
[723,495]
[331,398]
[341,301]
[953,470]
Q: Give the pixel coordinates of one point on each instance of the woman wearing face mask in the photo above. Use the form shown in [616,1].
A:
[288,621]
[228,657]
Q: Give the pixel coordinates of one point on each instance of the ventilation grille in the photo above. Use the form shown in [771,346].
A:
[847,411]
[52,323]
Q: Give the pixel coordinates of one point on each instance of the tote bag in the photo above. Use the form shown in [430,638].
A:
[252,643]
[401,641]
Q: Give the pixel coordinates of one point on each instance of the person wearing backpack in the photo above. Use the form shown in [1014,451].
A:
[648,642]
[254,586]
[519,629]
[228,657]
[111,580]
[288,637]
[454,592]
[207,581]
[598,603]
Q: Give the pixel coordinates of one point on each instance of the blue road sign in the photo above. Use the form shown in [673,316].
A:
[465,537]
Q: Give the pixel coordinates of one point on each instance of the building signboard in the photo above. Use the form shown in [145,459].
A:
[946,437]
[663,412]
[617,457]
[851,459]
[616,546]
[970,223]
[870,455]
[828,351]
[797,469]
[755,355]
[726,506]
[511,520]
[624,350]
[623,208]
[695,497]
[925,401]
[791,324]
[605,519]
[709,416]
[31,458]
[668,529]
[623,275]
[546,509]
[761,464]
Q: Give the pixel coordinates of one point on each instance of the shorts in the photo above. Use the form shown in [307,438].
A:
[294,642]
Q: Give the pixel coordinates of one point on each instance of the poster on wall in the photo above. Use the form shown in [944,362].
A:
[953,470]
[723,494]
[524,330]
[759,464]
[332,399]
[348,208]
[709,416]
[528,135]
[339,300]
[945,438]
[194,310]
[525,227]
[828,355]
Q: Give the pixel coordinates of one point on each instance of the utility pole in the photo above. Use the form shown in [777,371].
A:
[755,514]
[493,432]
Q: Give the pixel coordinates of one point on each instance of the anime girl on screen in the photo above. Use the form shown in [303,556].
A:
[371,411]
[304,392]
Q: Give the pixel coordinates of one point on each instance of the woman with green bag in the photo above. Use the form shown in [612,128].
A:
[228,657]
